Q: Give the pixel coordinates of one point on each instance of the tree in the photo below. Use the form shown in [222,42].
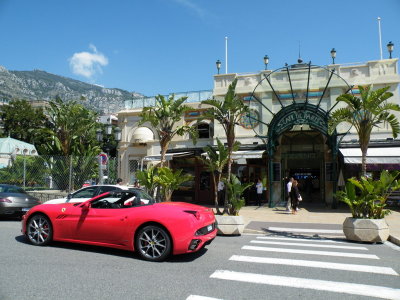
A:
[228,113]
[71,130]
[164,117]
[235,191]
[170,180]
[146,178]
[365,113]
[20,119]
[215,162]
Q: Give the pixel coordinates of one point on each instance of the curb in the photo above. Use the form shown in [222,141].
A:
[394,240]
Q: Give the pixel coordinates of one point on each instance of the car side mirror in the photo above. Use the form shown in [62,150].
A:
[69,196]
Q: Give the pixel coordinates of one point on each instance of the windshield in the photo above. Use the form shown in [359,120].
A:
[142,194]
[120,200]
[11,189]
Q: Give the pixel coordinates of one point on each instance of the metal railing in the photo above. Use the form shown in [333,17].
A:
[194,96]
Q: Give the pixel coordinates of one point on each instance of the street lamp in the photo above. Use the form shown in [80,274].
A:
[333,55]
[106,139]
[218,63]
[390,47]
[266,61]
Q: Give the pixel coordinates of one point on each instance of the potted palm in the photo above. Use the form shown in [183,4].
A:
[215,160]
[227,112]
[366,199]
[233,224]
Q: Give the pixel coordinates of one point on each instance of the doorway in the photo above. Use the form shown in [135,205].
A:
[302,154]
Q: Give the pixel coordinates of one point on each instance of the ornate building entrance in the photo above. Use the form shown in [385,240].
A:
[294,105]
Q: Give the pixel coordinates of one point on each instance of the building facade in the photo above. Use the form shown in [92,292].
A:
[285,134]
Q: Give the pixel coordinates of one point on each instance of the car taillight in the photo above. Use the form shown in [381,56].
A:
[5,200]
[194,213]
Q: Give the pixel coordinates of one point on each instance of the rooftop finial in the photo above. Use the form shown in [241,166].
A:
[299,60]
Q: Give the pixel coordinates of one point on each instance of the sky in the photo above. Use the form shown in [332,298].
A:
[165,46]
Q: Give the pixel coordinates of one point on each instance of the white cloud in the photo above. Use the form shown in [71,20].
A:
[88,64]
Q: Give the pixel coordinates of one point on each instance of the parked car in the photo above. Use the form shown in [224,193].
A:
[89,192]
[14,201]
[153,230]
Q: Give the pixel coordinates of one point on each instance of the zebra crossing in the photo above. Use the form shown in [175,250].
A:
[328,255]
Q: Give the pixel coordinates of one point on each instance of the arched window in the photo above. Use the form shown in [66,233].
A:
[204,131]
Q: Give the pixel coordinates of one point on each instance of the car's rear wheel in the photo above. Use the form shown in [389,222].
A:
[153,243]
[39,230]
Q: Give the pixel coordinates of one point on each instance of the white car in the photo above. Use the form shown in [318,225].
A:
[89,192]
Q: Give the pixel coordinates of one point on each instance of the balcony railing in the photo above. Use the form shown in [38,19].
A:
[194,96]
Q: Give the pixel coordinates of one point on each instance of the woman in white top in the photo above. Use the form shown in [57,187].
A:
[259,187]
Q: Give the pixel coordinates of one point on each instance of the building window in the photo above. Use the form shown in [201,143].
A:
[204,131]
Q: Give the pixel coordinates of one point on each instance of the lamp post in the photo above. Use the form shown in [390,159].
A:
[266,61]
[218,63]
[333,55]
[390,47]
[106,140]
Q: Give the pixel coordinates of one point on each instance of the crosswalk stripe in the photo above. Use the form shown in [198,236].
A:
[315,264]
[321,285]
[309,245]
[319,240]
[197,297]
[308,230]
[312,252]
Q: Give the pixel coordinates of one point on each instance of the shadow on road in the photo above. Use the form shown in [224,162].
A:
[183,258]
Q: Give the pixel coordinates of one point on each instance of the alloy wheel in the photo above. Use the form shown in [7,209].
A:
[39,230]
[153,243]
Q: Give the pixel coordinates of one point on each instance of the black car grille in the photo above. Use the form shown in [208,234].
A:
[206,229]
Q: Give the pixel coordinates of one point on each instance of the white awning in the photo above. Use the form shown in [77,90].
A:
[383,155]
[142,135]
[247,154]
[241,156]
[168,156]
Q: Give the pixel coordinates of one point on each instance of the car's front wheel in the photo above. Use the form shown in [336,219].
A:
[153,243]
[39,230]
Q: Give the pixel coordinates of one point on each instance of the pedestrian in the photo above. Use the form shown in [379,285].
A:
[136,184]
[295,197]
[119,181]
[288,194]
[259,188]
[221,192]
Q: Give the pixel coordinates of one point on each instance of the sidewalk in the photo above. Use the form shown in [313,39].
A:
[312,214]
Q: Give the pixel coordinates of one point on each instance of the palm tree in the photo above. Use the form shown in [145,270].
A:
[228,113]
[163,117]
[215,162]
[147,179]
[364,114]
[71,129]
[170,180]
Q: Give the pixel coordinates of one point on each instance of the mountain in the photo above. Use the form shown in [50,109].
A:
[40,85]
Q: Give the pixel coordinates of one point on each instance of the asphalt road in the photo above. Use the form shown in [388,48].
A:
[246,267]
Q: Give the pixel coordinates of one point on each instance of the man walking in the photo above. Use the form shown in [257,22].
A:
[221,192]
[288,191]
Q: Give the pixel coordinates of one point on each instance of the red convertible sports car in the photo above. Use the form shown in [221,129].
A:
[119,219]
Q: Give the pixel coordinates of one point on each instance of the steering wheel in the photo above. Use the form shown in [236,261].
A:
[104,204]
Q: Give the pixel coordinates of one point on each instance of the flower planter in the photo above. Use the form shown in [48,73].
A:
[366,230]
[230,225]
